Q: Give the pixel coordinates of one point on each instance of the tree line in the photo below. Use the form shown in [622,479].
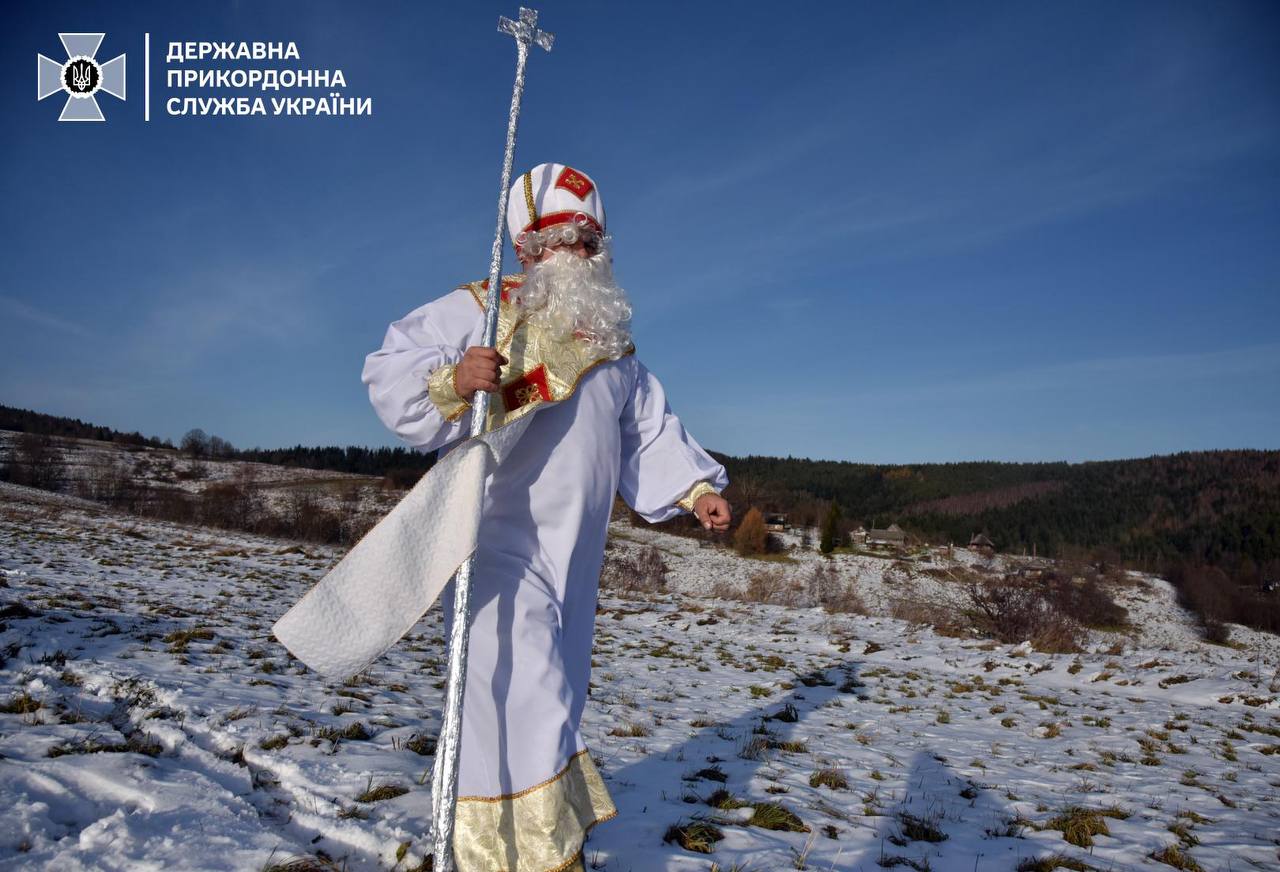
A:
[1204,508]
[402,465]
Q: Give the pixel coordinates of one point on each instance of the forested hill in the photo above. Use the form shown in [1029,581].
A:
[401,462]
[1218,507]
[1214,507]
[27,421]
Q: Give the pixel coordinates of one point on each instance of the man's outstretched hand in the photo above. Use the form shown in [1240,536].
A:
[713,511]
[478,371]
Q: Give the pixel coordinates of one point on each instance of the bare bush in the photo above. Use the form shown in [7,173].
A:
[1213,596]
[237,504]
[401,478]
[823,581]
[350,493]
[721,589]
[775,587]
[923,612]
[1216,632]
[845,600]
[751,537]
[195,470]
[306,517]
[35,462]
[645,572]
[354,527]
[170,505]
[164,470]
[827,588]
[1087,602]
[112,482]
[1015,612]
[652,567]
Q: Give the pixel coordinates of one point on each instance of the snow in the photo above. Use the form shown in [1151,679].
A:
[150,641]
[84,465]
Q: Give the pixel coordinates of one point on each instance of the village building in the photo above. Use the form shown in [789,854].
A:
[981,544]
[892,536]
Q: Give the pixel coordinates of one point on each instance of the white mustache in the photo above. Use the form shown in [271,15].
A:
[567,294]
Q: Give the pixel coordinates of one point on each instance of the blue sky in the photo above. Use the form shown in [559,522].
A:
[883,232]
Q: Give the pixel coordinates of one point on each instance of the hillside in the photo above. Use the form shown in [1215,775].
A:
[149,717]
[1219,508]
[1209,521]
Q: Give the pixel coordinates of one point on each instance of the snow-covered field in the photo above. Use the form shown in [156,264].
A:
[150,722]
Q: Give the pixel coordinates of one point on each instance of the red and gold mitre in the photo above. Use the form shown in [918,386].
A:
[551,194]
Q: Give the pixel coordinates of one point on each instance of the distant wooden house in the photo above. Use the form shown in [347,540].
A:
[980,543]
[775,522]
[892,536]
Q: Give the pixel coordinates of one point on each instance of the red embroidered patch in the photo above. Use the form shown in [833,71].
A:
[575,183]
[528,388]
[508,282]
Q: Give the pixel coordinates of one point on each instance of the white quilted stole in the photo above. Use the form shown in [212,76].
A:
[389,579]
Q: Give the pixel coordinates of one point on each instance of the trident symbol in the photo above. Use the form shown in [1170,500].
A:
[80,76]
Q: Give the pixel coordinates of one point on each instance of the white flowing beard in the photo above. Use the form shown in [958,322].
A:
[567,293]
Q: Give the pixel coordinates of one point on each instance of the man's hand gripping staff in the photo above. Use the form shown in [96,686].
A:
[478,371]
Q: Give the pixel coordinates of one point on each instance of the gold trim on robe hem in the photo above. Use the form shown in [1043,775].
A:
[539,368]
[703,487]
[538,829]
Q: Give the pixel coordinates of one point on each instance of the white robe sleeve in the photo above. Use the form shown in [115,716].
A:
[661,463]
[428,338]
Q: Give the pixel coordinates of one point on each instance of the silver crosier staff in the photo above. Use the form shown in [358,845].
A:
[444,784]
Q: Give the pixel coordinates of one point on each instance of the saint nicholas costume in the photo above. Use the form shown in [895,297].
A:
[528,789]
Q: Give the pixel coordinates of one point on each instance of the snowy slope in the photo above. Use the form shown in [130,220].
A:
[151,722]
[82,462]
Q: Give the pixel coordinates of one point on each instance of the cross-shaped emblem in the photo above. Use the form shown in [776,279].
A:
[528,394]
[526,29]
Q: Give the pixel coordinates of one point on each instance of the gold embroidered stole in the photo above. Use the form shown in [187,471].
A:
[539,369]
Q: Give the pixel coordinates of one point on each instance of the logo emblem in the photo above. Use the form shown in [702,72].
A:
[80,76]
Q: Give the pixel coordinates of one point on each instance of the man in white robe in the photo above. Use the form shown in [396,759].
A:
[528,790]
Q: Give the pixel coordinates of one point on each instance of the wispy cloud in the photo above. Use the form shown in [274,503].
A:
[31,314]
[218,311]
[1116,372]
[867,178]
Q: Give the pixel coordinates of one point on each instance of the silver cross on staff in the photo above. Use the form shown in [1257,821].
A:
[526,29]
[444,792]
